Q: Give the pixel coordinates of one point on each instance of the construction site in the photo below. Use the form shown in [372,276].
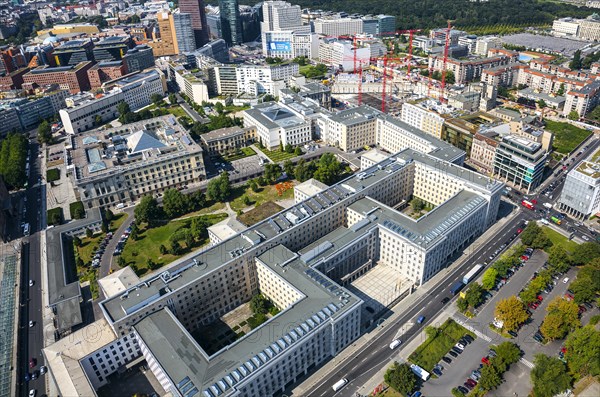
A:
[386,81]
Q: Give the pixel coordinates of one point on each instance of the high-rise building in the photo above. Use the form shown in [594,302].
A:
[196,10]
[112,48]
[139,58]
[250,21]
[231,25]
[167,45]
[184,33]
[73,52]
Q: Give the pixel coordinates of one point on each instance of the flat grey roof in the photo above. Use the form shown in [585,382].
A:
[63,284]
[272,115]
[181,357]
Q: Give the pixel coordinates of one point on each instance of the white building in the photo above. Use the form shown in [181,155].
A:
[256,79]
[485,43]
[566,27]
[580,196]
[338,26]
[283,34]
[340,54]
[278,124]
[188,83]
[136,90]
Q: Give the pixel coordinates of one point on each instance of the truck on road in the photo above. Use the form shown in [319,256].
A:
[472,273]
[456,287]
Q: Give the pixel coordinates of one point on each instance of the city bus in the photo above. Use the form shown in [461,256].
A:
[527,204]
[556,220]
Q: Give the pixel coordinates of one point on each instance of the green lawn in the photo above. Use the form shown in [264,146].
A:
[117,221]
[431,351]
[277,156]
[265,193]
[242,153]
[206,210]
[149,240]
[566,136]
[88,246]
[559,239]
[177,111]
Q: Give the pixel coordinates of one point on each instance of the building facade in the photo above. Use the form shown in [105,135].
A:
[520,162]
[225,141]
[198,14]
[184,34]
[424,119]
[231,24]
[580,196]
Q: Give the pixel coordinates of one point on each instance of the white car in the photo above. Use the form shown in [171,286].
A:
[565,280]
[30,323]
[586,238]
[31,282]
[32,393]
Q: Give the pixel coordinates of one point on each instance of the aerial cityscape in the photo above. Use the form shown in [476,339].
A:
[300,198]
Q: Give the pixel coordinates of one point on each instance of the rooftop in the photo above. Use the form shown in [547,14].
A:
[99,152]
[356,115]
[311,187]
[223,133]
[591,165]
[273,115]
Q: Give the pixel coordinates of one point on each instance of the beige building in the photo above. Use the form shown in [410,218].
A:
[227,140]
[351,129]
[122,164]
[167,43]
[483,151]
[424,119]
[308,189]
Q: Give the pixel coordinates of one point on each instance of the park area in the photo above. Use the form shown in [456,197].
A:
[146,248]
[259,213]
[438,342]
[559,239]
[246,197]
[566,136]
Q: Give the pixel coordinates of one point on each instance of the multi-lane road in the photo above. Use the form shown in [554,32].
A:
[31,339]
[376,354]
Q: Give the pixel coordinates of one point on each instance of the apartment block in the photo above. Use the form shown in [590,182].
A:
[72,78]
[580,196]
[582,100]
[256,79]
[483,151]
[192,85]
[84,109]
[468,70]
[338,27]
[340,54]
[121,165]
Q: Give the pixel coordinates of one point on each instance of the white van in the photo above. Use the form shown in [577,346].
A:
[120,205]
[395,343]
[339,384]
[544,221]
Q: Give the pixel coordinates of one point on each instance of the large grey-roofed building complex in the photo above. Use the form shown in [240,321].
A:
[580,196]
[301,259]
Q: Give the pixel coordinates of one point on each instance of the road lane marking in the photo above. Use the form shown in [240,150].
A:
[526,362]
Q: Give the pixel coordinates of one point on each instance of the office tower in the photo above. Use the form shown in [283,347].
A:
[196,10]
[184,32]
[167,45]
[230,21]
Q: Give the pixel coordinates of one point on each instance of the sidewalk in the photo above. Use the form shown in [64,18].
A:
[367,339]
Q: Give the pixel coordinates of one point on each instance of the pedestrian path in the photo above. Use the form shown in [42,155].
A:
[527,363]
[473,330]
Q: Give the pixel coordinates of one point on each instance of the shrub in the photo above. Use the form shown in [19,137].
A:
[52,175]
[55,216]
[77,210]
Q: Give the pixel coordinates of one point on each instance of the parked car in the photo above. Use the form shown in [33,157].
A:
[32,362]
[447,359]
[468,386]
[437,372]
[485,360]
[468,338]
[463,389]
[452,353]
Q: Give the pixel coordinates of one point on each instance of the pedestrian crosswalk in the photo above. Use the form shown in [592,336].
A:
[526,362]
[475,331]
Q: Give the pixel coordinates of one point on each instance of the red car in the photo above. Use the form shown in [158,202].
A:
[539,298]
[534,201]
[568,297]
[485,360]
[32,362]
[519,231]
[524,258]
[563,349]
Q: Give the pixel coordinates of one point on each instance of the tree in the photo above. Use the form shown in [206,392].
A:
[172,99]
[490,377]
[121,261]
[401,378]
[108,215]
[583,289]
[573,115]
[417,204]
[259,304]
[123,109]
[44,132]
[585,253]
[147,210]
[303,171]
[549,376]
[198,228]
[134,231]
[219,188]
[576,61]
[156,99]
[298,151]
[462,304]
[88,232]
[289,148]
[253,184]
[328,169]
[508,353]
[542,104]
[432,332]
[175,203]
[530,232]
[272,172]
[561,90]
[76,241]
[511,312]
[288,168]
[583,350]
[163,250]
[474,295]
[562,317]
[559,259]
[219,107]
[489,278]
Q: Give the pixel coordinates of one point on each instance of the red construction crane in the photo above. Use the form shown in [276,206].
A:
[386,59]
[411,33]
[355,45]
[447,44]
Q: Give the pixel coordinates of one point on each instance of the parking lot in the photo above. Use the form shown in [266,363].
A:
[517,379]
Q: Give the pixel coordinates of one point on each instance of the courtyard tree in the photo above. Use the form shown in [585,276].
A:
[511,312]
[417,204]
[175,203]
[585,253]
[489,278]
[147,210]
[219,188]
[259,304]
[490,377]
[559,259]
[583,351]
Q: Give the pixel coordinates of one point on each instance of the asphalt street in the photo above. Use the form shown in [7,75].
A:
[31,339]
[376,354]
